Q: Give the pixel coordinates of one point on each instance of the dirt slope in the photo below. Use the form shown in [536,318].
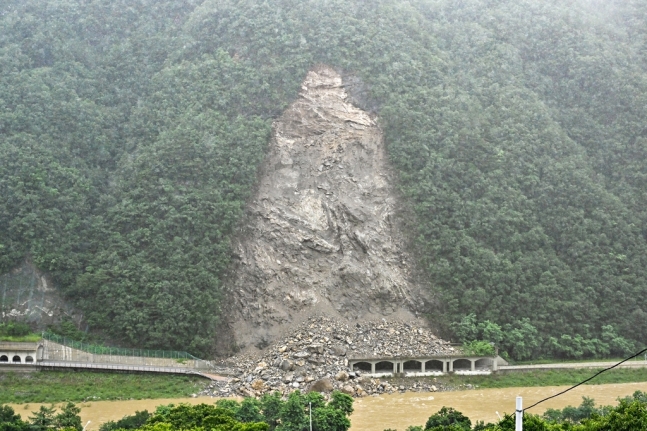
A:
[321,235]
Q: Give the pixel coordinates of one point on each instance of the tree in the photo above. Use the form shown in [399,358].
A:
[10,421]
[69,418]
[448,417]
[342,402]
[43,419]
[127,422]
[292,414]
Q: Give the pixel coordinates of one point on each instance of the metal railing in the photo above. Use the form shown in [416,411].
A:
[117,351]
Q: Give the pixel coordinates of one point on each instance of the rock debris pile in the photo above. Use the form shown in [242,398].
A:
[315,357]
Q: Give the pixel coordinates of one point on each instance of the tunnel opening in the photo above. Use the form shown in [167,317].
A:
[434,365]
[384,367]
[462,365]
[362,366]
[412,366]
[483,363]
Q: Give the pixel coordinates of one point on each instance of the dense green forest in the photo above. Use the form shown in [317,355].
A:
[131,132]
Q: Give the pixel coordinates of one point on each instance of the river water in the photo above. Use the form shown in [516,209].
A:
[396,411]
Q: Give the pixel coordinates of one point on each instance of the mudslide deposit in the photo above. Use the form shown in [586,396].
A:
[321,236]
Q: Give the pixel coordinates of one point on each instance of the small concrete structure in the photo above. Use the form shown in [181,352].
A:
[20,353]
[426,366]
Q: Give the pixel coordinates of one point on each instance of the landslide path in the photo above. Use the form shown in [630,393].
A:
[321,235]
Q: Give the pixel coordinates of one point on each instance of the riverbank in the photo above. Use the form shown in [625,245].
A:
[395,411]
[80,386]
[531,378]
[59,386]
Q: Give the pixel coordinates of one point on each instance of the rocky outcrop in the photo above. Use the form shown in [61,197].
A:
[27,295]
[321,233]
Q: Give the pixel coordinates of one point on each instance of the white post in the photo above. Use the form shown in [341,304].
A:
[310,416]
[519,415]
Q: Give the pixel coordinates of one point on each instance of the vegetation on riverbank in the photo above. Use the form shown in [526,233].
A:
[59,386]
[544,378]
[629,414]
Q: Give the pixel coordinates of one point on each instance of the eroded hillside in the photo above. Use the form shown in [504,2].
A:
[321,234]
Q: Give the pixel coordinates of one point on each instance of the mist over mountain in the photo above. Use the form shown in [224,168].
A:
[132,134]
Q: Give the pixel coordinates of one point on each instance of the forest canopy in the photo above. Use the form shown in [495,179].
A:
[131,133]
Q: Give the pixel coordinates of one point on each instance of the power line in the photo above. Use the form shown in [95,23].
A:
[589,379]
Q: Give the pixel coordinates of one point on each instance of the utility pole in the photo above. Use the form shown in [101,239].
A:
[518,426]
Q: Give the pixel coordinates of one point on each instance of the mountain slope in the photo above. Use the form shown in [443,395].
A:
[134,131]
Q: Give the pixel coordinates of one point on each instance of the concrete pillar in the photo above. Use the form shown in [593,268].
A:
[444,366]
[372,367]
[395,367]
[495,365]
[451,365]
[422,366]
[473,366]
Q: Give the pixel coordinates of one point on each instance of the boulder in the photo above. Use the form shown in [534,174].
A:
[286,365]
[341,376]
[339,350]
[316,348]
[348,389]
[301,355]
[258,385]
[322,385]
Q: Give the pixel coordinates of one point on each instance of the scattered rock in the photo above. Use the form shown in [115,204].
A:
[313,357]
[342,376]
[339,350]
[322,385]
[348,389]
[286,365]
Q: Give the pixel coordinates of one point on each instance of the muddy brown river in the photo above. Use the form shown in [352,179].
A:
[396,411]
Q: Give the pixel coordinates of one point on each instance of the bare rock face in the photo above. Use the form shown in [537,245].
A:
[27,295]
[321,236]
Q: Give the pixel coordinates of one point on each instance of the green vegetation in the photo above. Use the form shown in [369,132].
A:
[58,386]
[45,419]
[630,414]
[131,133]
[127,422]
[545,378]
[524,342]
[17,331]
[270,412]
[448,418]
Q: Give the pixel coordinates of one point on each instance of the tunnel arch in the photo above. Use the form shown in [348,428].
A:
[462,365]
[483,363]
[362,366]
[412,366]
[16,359]
[29,359]
[434,365]
[384,367]
[4,358]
